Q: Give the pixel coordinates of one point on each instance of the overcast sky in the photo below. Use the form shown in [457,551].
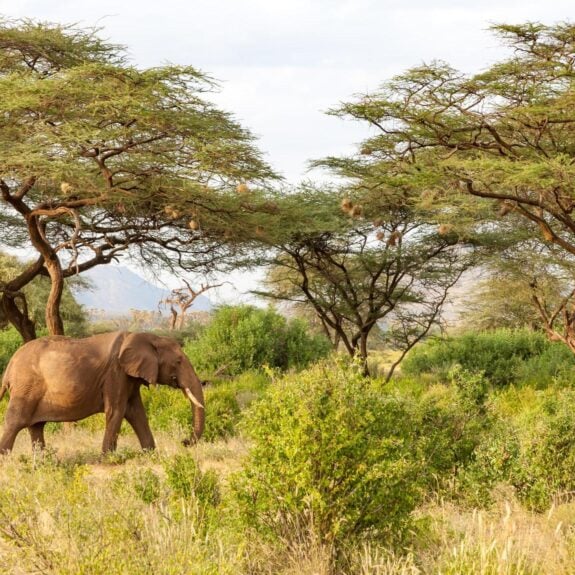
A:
[282,63]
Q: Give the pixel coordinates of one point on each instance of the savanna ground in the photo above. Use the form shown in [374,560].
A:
[470,473]
[70,511]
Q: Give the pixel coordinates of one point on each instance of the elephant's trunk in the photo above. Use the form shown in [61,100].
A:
[192,388]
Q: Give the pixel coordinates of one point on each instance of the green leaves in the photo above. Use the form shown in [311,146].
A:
[240,338]
[330,454]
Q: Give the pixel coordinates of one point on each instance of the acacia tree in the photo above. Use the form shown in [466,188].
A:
[359,266]
[180,300]
[505,135]
[516,285]
[100,158]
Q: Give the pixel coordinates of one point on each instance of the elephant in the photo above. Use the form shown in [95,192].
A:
[57,378]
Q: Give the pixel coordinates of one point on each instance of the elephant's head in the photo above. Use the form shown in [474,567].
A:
[161,360]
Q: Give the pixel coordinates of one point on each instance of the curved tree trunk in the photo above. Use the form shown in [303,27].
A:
[52,264]
[54,321]
[18,318]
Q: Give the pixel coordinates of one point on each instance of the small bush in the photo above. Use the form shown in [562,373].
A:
[448,427]
[331,454]
[546,468]
[147,485]
[504,356]
[222,414]
[10,341]
[187,480]
[167,409]
[531,446]
[241,338]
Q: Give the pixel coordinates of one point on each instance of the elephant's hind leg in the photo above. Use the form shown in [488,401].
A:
[37,434]
[16,419]
[9,437]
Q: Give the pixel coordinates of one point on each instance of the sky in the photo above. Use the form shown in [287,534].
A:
[282,63]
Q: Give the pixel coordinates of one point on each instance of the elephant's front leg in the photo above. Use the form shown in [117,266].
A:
[136,417]
[114,416]
[37,434]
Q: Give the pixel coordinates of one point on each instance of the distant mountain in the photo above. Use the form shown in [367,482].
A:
[117,289]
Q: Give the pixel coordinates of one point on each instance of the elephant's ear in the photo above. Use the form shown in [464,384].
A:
[138,357]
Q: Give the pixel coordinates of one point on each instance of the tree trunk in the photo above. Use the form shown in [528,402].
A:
[362,352]
[173,319]
[37,231]
[54,321]
[19,319]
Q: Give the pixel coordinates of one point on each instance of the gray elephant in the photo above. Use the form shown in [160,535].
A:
[63,379]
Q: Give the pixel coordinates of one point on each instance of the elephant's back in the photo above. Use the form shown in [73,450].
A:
[60,353]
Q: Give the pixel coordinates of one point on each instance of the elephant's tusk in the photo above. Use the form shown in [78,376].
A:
[193,399]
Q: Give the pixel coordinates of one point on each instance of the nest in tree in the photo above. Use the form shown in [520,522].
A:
[346,205]
[66,188]
[356,211]
[242,189]
[380,235]
[193,225]
[394,238]
[171,212]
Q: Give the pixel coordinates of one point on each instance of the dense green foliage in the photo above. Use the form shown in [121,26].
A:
[10,341]
[329,453]
[241,338]
[503,356]
[168,410]
[332,449]
[530,446]
[187,480]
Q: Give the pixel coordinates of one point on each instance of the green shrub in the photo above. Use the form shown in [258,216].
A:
[530,447]
[496,462]
[332,454]
[147,485]
[546,467]
[186,480]
[167,409]
[222,414]
[504,356]
[10,341]
[241,338]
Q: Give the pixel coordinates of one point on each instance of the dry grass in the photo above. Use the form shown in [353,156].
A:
[70,511]
[503,541]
